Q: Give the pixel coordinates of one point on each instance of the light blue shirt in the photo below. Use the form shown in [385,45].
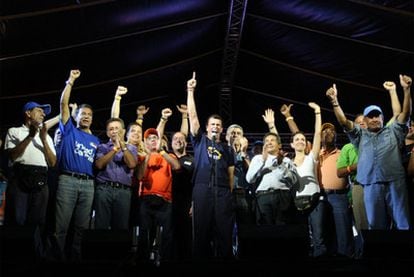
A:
[380,154]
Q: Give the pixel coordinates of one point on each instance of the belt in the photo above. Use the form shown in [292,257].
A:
[82,176]
[115,185]
[263,192]
[336,191]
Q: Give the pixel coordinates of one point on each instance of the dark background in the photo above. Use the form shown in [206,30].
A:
[291,51]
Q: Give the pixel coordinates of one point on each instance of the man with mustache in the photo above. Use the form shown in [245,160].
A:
[31,151]
[380,170]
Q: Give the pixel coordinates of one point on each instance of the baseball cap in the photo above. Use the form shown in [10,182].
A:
[372,108]
[31,105]
[150,131]
[328,125]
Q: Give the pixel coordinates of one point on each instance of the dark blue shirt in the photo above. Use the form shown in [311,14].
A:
[204,153]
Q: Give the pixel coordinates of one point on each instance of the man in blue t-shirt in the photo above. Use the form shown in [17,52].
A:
[76,154]
[213,217]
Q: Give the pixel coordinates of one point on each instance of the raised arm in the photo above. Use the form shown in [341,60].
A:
[316,146]
[117,101]
[55,120]
[395,102]
[165,115]
[332,94]
[73,107]
[52,122]
[64,99]
[184,119]
[405,82]
[285,110]
[192,111]
[269,119]
[141,111]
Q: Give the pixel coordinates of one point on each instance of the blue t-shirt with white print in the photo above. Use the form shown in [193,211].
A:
[76,150]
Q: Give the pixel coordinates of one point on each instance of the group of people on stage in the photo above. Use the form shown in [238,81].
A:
[192,206]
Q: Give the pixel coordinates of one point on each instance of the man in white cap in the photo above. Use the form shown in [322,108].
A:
[31,152]
[380,170]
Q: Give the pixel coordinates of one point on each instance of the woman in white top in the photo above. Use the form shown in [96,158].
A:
[306,164]
[308,196]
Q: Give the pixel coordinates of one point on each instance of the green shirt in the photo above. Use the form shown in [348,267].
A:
[348,157]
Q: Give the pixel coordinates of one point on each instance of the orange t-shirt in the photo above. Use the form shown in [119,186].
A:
[329,179]
[158,177]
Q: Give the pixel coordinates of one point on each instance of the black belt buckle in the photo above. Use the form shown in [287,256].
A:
[114,184]
[117,185]
[78,175]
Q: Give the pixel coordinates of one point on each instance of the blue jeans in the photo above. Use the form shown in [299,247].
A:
[74,198]
[331,223]
[317,218]
[342,217]
[112,207]
[385,200]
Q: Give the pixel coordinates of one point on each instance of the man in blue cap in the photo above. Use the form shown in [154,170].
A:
[374,116]
[29,106]
[380,170]
[31,151]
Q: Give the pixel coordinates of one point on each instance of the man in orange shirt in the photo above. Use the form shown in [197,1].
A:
[336,204]
[156,194]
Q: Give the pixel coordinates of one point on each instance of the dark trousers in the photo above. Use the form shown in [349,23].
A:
[26,208]
[182,226]
[273,207]
[213,220]
[243,206]
[155,213]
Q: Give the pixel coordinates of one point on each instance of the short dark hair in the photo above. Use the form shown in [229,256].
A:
[115,119]
[83,106]
[214,116]
[133,124]
[279,141]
